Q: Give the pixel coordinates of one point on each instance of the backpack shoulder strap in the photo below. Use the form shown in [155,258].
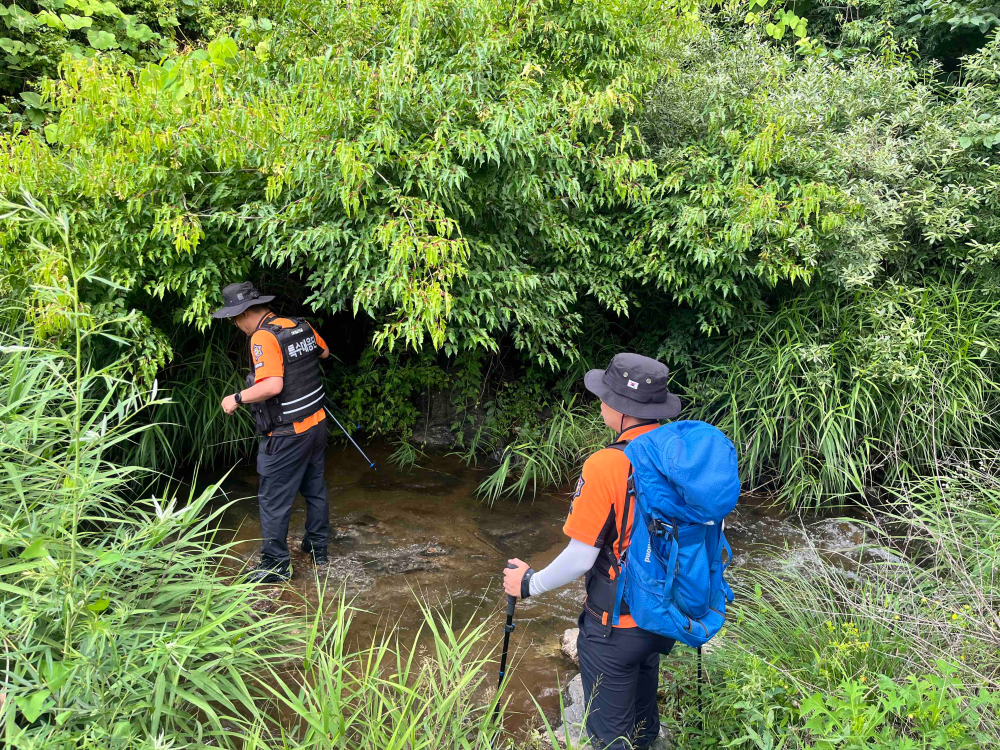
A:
[619,445]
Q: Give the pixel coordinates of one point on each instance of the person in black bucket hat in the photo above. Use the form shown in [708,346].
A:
[285,393]
[634,386]
[619,663]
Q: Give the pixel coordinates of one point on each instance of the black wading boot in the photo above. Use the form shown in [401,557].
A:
[318,553]
[269,570]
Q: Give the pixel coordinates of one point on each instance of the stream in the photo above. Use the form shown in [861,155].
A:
[396,535]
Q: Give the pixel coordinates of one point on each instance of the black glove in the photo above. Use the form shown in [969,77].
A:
[525,583]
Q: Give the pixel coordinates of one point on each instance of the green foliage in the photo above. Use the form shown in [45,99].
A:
[452,169]
[190,426]
[384,696]
[832,396]
[781,173]
[546,454]
[778,22]
[116,627]
[894,646]
[925,712]
[36,34]
[379,392]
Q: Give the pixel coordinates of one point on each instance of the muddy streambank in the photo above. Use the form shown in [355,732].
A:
[398,535]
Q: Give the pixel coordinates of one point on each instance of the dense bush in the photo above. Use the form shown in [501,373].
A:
[452,169]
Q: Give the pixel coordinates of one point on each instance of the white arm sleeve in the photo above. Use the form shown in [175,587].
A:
[572,563]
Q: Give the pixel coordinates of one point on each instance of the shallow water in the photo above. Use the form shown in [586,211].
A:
[398,535]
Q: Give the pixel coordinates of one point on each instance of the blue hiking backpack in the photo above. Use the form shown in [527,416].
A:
[686,482]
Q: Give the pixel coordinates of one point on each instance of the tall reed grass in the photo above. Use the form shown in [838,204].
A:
[117,630]
[120,624]
[191,427]
[547,456]
[833,396]
[434,692]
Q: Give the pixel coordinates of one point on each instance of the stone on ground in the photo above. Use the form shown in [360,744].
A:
[572,730]
[568,644]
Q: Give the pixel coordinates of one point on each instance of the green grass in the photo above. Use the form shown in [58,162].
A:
[116,626]
[831,397]
[549,455]
[191,427]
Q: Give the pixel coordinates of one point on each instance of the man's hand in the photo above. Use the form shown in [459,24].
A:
[512,577]
[229,404]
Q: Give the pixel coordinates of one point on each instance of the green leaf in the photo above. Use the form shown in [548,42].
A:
[102,40]
[32,99]
[11,46]
[35,549]
[964,142]
[223,51]
[51,19]
[55,673]
[100,605]
[74,23]
[108,558]
[141,33]
[32,706]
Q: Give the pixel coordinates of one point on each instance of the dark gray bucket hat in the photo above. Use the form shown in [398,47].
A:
[238,297]
[636,386]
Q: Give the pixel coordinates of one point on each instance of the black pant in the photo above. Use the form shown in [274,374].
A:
[289,464]
[620,676]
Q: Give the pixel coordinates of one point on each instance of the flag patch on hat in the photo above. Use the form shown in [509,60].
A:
[633,385]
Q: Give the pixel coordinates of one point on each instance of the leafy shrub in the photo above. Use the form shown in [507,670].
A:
[36,34]
[450,168]
[930,711]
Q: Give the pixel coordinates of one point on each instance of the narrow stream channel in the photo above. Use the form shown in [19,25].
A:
[397,535]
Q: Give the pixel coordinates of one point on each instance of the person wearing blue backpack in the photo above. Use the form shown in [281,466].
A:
[646,529]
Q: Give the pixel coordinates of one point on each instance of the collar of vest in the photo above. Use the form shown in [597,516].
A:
[619,438]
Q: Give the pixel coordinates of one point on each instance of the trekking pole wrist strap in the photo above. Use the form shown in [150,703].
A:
[526,583]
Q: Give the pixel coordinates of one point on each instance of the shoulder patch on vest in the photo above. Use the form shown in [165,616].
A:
[258,351]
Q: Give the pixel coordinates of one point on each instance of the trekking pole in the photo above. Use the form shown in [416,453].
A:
[507,630]
[371,464]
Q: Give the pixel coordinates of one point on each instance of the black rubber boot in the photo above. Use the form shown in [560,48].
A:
[318,553]
[269,570]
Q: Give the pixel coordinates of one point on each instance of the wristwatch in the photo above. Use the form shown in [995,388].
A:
[238,397]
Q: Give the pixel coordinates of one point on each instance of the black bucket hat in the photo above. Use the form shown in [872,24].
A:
[238,297]
[636,386]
